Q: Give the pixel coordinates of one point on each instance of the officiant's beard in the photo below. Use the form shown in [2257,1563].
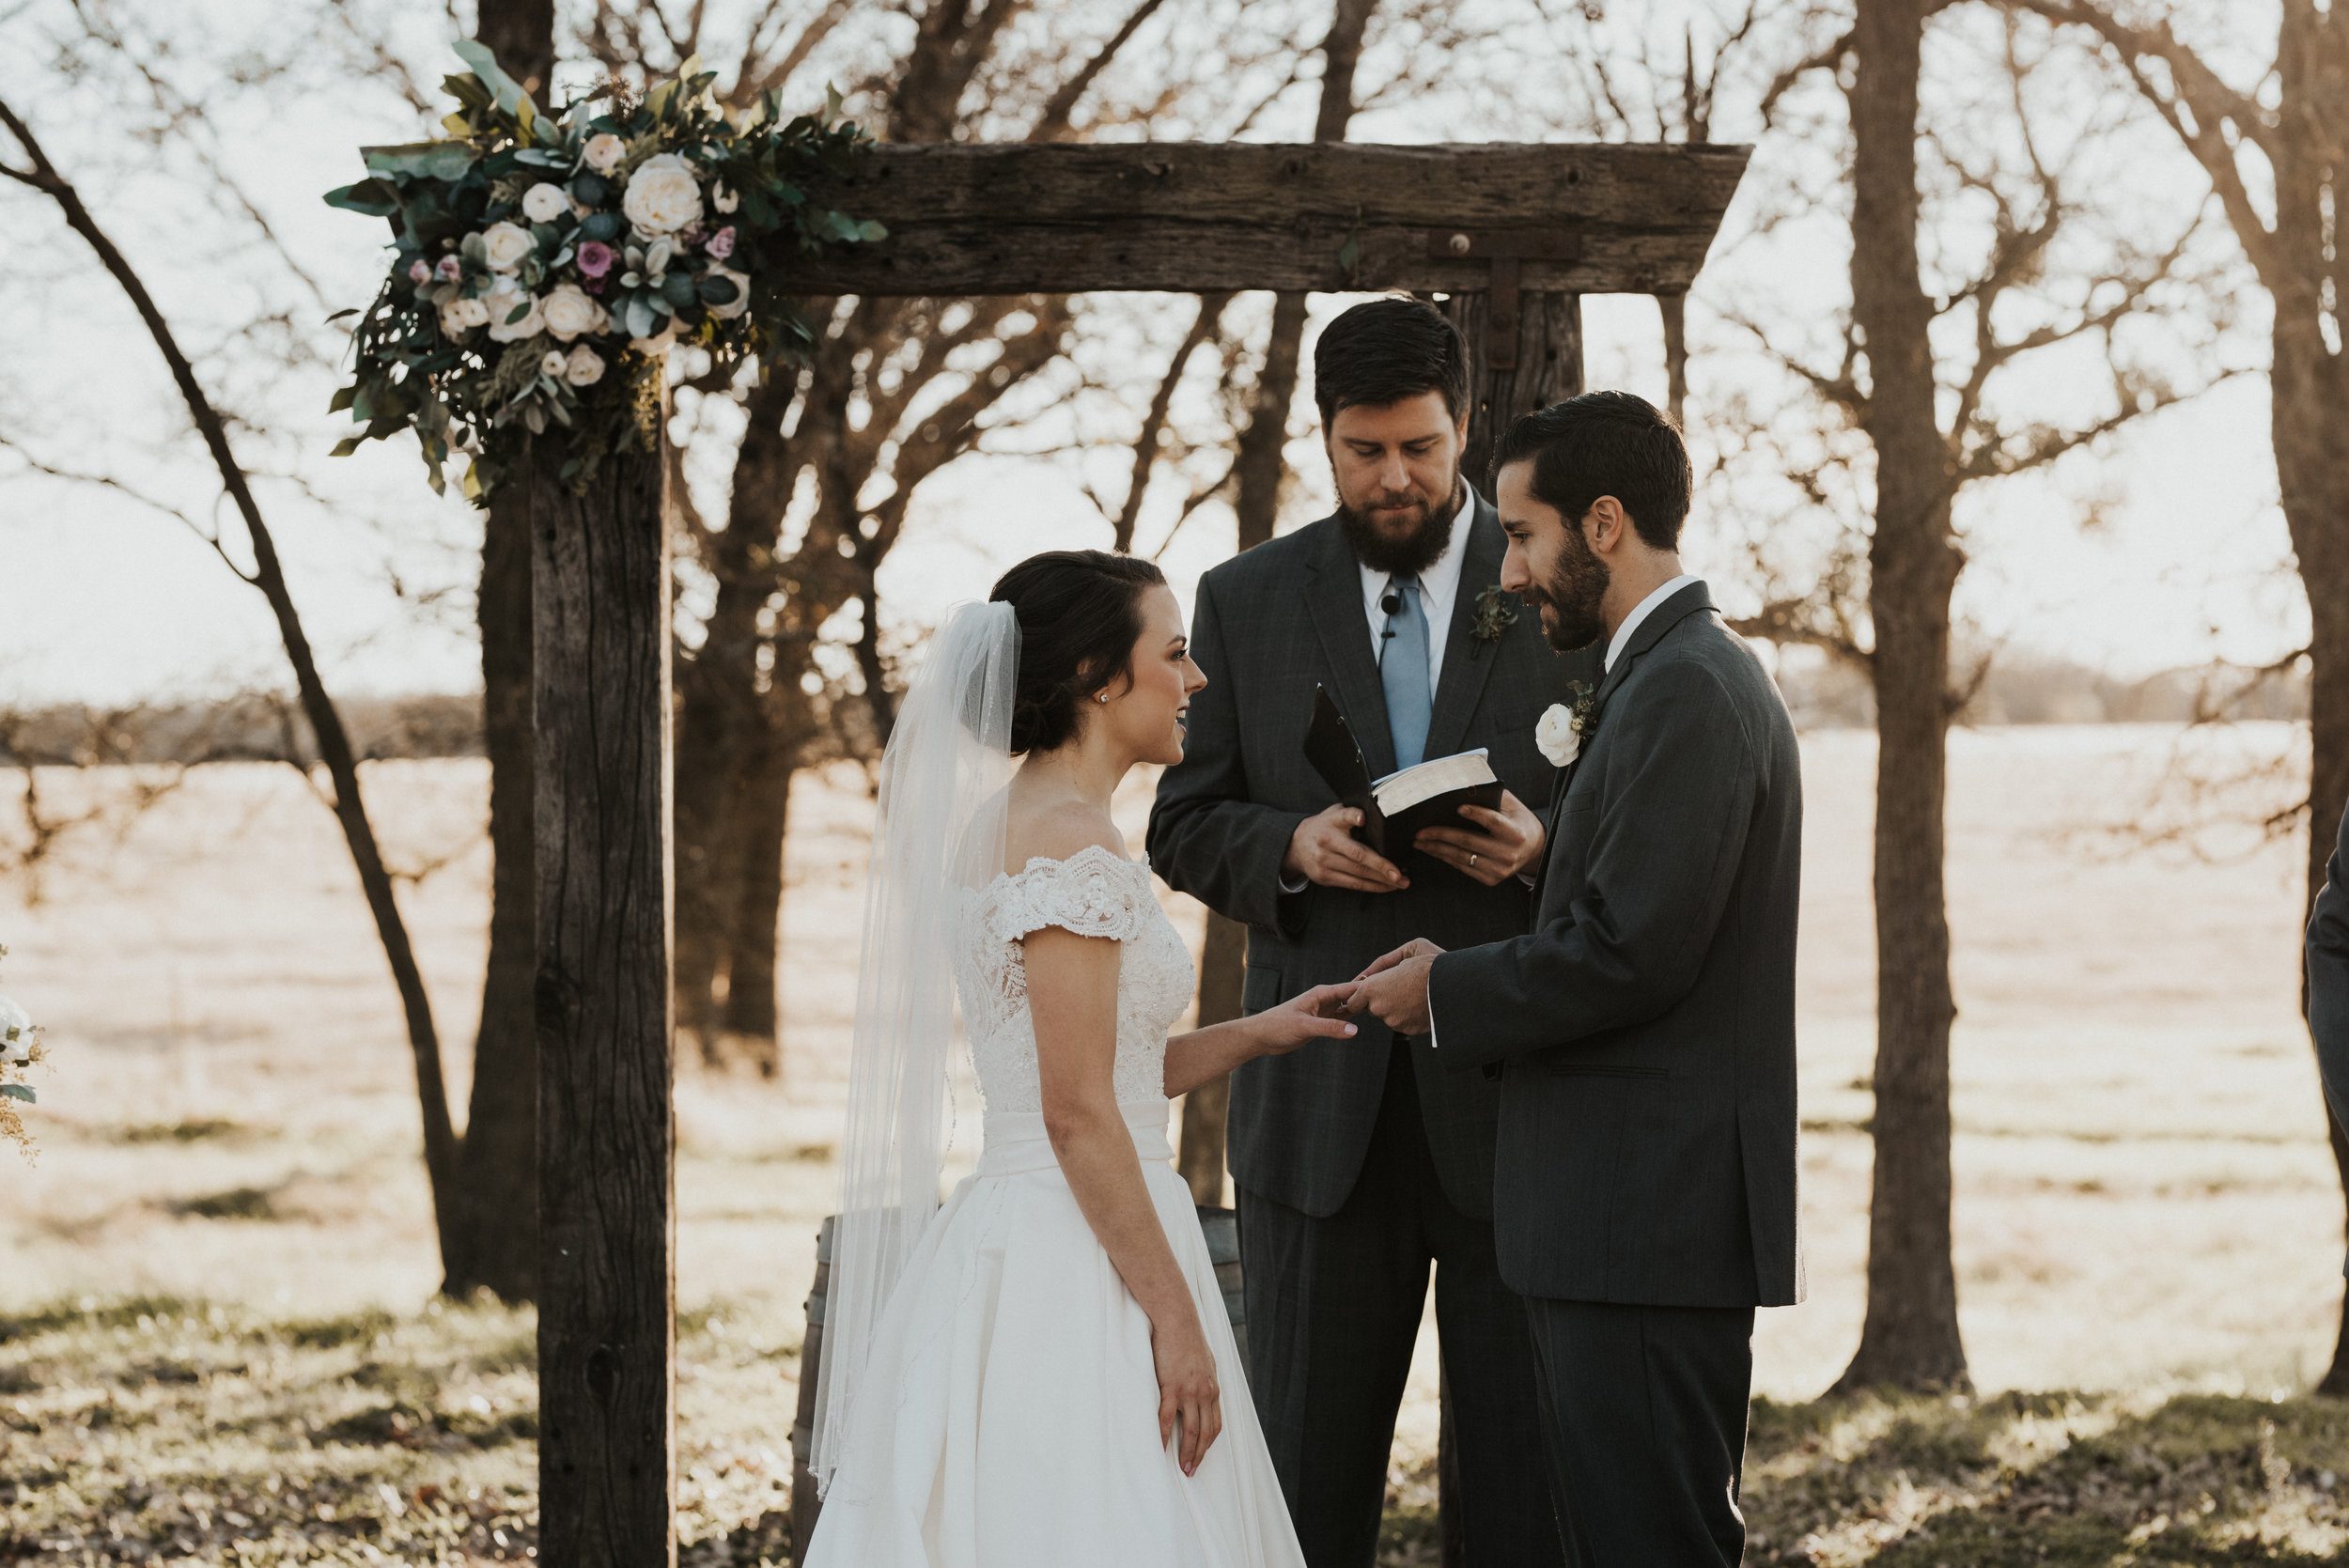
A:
[1571,600]
[1410,551]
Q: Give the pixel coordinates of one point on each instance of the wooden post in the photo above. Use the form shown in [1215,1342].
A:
[607,1319]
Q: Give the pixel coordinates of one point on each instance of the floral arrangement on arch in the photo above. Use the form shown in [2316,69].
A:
[20,1047]
[543,264]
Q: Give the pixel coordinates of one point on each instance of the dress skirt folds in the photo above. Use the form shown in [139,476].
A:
[1007,1417]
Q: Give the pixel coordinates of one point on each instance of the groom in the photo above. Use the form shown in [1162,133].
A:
[1359,1167]
[1643,1034]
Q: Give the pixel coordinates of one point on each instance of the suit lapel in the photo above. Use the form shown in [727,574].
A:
[1334,599]
[1466,662]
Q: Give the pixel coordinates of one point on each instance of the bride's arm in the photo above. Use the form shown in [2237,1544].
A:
[1072,993]
[1206,1054]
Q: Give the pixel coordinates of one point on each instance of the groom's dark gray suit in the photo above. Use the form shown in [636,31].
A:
[1360,1160]
[1644,1184]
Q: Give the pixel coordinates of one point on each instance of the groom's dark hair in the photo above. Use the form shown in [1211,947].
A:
[1605,443]
[1080,615]
[1384,351]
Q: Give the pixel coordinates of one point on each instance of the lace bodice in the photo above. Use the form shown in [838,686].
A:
[1092,892]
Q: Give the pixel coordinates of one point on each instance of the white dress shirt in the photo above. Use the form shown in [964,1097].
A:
[1616,645]
[1438,590]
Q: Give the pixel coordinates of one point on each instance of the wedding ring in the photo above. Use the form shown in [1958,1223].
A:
[1471,858]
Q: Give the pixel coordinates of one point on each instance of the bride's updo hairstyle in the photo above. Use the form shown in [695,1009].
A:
[1080,612]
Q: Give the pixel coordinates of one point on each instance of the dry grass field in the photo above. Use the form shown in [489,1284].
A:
[216,1330]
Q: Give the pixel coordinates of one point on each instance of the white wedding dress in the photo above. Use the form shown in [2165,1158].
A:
[1007,1414]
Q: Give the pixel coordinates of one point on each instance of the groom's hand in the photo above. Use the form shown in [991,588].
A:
[1393,989]
[1323,850]
[1503,844]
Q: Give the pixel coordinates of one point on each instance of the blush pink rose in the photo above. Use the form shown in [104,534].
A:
[595,259]
[450,270]
[722,243]
[419,271]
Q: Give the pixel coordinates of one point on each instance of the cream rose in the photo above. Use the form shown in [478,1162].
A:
[570,310]
[505,297]
[662,194]
[543,202]
[584,367]
[551,363]
[742,301]
[1556,736]
[603,152]
[459,317]
[723,199]
[16,1033]
[504,246]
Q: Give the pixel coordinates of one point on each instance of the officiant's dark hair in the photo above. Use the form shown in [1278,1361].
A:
[1384,351]
[1605,443]
[1080,615]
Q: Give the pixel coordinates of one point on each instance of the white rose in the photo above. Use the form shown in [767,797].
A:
[662,196]
[570,310]
[603,152]
[1556,736]
[742,301]
[543,202]
[504,246]
[584,367]
[459,317]
[551,363]
[505,297]
[723,199]
[16,1033]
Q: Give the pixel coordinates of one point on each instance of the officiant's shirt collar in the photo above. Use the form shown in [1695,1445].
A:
[1640,612]
[1439,589]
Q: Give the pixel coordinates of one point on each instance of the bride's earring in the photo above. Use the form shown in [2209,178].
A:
[1100,696]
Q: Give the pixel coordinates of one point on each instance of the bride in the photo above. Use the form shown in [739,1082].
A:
[1035,1372]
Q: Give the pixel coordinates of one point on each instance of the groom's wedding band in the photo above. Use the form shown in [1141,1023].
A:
[1471,858]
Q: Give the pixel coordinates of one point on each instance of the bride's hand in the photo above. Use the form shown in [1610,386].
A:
[1187,1390]
[1320,1014]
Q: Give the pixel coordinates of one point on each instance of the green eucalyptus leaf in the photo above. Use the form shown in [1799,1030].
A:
[345,447]
[605,226]
[677,288]
[373,198]
[344,395]
[510,94]
[639,315]
[717,291]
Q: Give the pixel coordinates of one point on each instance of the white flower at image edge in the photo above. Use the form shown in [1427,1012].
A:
[603,152]
[504,246]
[543,203]
[16,1033]
[1554,734]
[504,298]
[742,301]
[584,367]
[570,310]
[662,194]
[459,317]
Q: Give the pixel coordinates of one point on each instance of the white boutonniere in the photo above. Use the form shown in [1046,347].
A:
[1560,731]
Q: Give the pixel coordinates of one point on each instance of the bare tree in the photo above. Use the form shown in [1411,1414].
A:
[268,576]
[1932,425]
[2289,124]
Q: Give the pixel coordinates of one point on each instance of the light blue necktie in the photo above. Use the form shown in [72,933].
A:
[1402,671]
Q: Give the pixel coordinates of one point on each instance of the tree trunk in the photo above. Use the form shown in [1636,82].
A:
[722,721]
[607,1315]
[2310,430]
[752,1031]
[492,1239]
[1910,1335]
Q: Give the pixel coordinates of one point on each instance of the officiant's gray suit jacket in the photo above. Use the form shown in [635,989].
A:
[1269,626]
[1645,1029]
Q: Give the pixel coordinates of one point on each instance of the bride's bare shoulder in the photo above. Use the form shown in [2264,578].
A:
[1057,830]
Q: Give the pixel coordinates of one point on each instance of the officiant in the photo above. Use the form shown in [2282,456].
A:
[1359,1168]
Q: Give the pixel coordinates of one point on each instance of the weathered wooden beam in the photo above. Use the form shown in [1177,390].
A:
[600,578]
[1192,218]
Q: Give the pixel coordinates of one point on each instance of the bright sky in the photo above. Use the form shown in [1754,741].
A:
[105,598]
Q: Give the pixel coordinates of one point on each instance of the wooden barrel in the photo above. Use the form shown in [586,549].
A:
[1220,1226]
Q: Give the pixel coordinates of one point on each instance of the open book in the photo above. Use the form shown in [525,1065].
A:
[1396,807]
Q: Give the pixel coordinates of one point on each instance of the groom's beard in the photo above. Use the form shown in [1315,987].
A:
[1400,544]
[1570,600]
